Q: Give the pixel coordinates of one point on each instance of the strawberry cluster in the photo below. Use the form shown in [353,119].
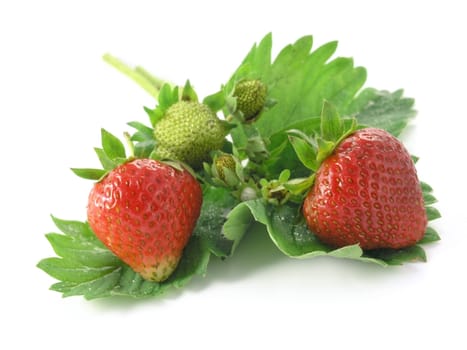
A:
[194,183]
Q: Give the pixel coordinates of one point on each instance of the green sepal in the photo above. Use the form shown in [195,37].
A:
[325,148]
[143,132]
[305,151]
[144,139]
[300,186]
[215,101]
[144,149]
[230,177]
[167,97]
[112,146]
[89,173]
[188,93]
[332,126]
[312,150]
[154,114]
[106,162]
[111,155]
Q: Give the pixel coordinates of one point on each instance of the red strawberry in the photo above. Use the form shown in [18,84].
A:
[144,211]
[367,192]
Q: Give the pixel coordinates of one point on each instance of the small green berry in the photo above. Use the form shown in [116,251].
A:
[224,161]
[251,97]
[188,132]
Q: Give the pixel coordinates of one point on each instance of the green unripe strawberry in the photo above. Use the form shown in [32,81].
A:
[251,97]
[188,132]
[225,161]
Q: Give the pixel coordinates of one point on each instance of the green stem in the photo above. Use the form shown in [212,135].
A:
[148,82]
[131,146]
[155,81]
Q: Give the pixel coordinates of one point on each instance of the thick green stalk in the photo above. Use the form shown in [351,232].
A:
[143,78]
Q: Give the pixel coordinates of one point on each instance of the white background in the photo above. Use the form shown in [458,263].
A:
[56,93]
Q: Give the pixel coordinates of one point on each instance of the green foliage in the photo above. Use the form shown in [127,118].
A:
[312,102]
[287,228]
[382,109]
[84,266]
[299,80]
[111,155]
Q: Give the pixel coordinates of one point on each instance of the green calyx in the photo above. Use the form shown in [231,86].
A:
[250,97]
[313,150]
[111,155]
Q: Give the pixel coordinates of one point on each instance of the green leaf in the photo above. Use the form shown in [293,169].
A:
[238,223]
[97,288]
[288,230]
[217,203]
[194,262]
[299,80]
[285,228]
[89,173]
[84,266]
[69,271]
[82,252]
[74,228]
[382,109]
[400,256]
[112,146]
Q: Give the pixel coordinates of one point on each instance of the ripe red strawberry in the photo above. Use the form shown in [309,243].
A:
[144,211]
[367,192]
